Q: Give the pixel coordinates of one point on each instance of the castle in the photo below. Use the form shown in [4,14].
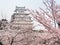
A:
[21,19]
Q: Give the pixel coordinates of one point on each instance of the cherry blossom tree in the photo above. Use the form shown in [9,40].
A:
[48,17]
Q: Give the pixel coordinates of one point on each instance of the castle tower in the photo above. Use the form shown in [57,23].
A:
[3,24]
[21,19]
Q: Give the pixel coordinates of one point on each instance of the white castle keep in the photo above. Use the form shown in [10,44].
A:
[21,19]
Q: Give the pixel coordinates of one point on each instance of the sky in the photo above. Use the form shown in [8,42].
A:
[7,7]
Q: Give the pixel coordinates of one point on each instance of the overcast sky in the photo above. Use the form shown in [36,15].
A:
[7,6]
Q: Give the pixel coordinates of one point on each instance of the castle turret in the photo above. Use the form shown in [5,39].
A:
[3,24]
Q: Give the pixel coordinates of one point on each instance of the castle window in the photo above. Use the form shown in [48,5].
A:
[59,24]
[0,25]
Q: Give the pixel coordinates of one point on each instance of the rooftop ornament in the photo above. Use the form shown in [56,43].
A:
[20,9]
